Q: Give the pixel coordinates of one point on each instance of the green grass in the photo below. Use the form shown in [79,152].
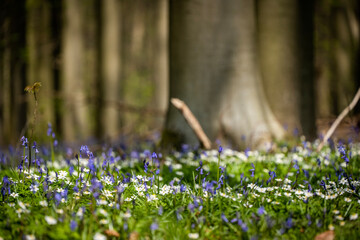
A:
[296,205]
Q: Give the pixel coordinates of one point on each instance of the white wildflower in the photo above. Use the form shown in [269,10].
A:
[336,212]
[59,211]
[152,197]
[193,235]
[99,236]
[103,221]
[43,203]
[103,212]
[127,215]
[14,195]
[353,216]
[34,188]
[287,194]
[339,217]
[50,220]
[30,237]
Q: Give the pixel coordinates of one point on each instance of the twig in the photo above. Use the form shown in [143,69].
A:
[339,119]
[192,121]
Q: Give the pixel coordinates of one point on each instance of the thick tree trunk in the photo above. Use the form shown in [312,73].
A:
[286,53]
[214,69]
[344,45]
[12,70]
[277,22]
[75,115]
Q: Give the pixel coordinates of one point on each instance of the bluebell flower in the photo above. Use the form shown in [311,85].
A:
[160,211]
[318,223]
[223,217]
[154,155]
[71,170]
[146,165]
[182,188]
[154,226]
[49,130]
[343,154]
[309,219]
[306,173]
[85,152]
[200,166]
[20,167]
[24,141]
[73,225]
[57,198]
[288,223]
[323,184]
[296,166]
[191,207]
[261,210]
[318,161]
[220,149]
[147,153]
[178,215]
[252,170]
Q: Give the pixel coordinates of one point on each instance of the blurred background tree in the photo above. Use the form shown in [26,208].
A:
[246,68]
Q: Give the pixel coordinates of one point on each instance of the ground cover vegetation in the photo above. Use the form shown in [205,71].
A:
[287,192]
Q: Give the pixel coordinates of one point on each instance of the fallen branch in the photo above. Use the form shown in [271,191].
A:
[192,121]
[339,119]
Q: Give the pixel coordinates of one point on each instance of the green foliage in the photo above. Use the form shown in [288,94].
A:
[289,193]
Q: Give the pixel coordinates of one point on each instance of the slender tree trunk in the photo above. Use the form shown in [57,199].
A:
[305,48]
[6,90]
[214,69]
[40,61]
[75,114]
[159,56]
[111,65]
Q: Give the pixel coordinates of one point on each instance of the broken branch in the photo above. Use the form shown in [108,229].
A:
[339,119]
[192,121]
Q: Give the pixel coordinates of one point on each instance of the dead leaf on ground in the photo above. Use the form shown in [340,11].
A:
[111,233]
[134,236]
[328,235]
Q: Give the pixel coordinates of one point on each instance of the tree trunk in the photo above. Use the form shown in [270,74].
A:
[40,62]
[111,65]
[159,59]
[286,56]
[12,70]
[214,69]
[277,21]
[75,114]
[344,45]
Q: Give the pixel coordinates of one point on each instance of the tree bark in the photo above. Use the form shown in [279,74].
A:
[111,65]
[159,57]
[286,54]
[40,62]
[214,69]
[75,114]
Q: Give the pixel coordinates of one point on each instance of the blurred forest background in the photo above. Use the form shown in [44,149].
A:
[108,67]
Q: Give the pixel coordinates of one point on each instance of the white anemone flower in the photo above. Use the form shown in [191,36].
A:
[50,220]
